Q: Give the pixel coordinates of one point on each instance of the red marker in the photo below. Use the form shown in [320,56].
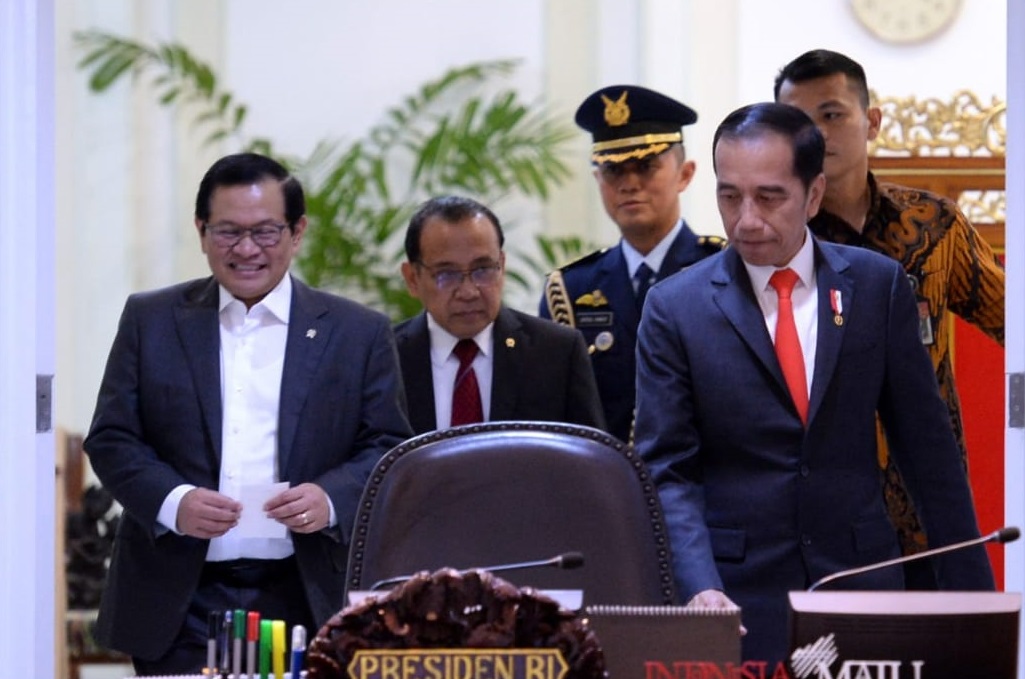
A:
[252,637]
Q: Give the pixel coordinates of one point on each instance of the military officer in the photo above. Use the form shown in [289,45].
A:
[641,168]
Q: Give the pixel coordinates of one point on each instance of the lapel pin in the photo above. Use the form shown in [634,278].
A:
[510,342]
[311,333]
[836,301]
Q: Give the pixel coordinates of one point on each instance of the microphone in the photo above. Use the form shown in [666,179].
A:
[566,561]
[1004,535]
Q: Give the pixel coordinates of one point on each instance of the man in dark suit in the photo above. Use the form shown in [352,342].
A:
[756,410]
[217,393]
[517,367]
[641,168]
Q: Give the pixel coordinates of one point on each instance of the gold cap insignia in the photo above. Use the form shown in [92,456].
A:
[596,298]
[616,112]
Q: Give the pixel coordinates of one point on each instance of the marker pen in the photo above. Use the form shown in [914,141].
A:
[266,629]
[226,629]
[213,624]
[278,659]
[298,650]
[239,619]
[252,638]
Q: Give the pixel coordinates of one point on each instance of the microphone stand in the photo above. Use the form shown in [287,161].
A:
[1006,534]
[567,561]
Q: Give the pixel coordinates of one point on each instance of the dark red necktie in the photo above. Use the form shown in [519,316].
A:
[788,344]
[466,405]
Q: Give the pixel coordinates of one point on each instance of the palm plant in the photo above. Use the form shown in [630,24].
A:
[450,136]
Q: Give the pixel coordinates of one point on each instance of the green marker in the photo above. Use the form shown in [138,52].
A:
[239,620]
[266,634]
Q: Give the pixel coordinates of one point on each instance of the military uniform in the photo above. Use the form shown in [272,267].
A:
[595,295]
[630,126]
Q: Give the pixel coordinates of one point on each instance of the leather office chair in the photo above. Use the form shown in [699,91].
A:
[507,492]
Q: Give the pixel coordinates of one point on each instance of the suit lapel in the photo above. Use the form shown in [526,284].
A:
[508,343]
[199,333]
[309,332]
[829,276]
[737,301]
[414,347]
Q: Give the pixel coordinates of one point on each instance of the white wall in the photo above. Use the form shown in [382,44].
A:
[27,460]
[330,71]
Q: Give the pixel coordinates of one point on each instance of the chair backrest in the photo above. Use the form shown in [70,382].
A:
[509,492]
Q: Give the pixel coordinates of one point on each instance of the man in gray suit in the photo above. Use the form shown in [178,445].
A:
[243,396]
[516,367]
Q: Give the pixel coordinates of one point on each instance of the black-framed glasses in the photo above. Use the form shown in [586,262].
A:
[446,280]
[228,235]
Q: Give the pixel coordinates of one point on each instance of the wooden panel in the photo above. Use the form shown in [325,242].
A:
[950,177]
[947,176]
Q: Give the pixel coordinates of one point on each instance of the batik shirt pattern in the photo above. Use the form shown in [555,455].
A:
[952,270]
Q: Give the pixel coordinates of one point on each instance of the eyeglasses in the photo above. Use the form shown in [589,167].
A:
[448,280]
[227,235]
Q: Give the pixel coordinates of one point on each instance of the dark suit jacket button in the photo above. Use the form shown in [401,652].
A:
[806,540]
[804,470]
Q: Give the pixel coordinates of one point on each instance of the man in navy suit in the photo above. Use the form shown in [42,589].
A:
[641,168]
[766,466]
[217,393]
[521,367]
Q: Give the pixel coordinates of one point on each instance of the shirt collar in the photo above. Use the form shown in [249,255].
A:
[654,258]
[443,342]
[277,302]
[803,263]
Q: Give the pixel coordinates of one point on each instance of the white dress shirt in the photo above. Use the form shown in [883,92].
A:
[805,298]
[252,358]
[444,366]
[653,259]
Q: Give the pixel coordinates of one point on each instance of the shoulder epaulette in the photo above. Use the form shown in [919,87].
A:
[589,257]
[557,297]
[712,243]
[559,307]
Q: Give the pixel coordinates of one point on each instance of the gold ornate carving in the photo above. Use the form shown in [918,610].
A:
[984,207]
[963,126]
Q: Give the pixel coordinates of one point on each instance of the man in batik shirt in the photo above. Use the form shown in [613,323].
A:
[949,265]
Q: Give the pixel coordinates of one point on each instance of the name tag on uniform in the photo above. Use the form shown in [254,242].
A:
[594,319]
[925,323]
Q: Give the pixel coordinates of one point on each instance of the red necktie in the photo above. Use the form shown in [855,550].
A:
[466,405]
[788,345]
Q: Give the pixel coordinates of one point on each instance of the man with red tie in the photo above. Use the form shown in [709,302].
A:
[760,371]
[467,358]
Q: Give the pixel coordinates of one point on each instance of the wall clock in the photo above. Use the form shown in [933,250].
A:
[905,21]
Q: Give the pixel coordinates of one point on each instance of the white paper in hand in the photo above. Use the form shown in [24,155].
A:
[254,522]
